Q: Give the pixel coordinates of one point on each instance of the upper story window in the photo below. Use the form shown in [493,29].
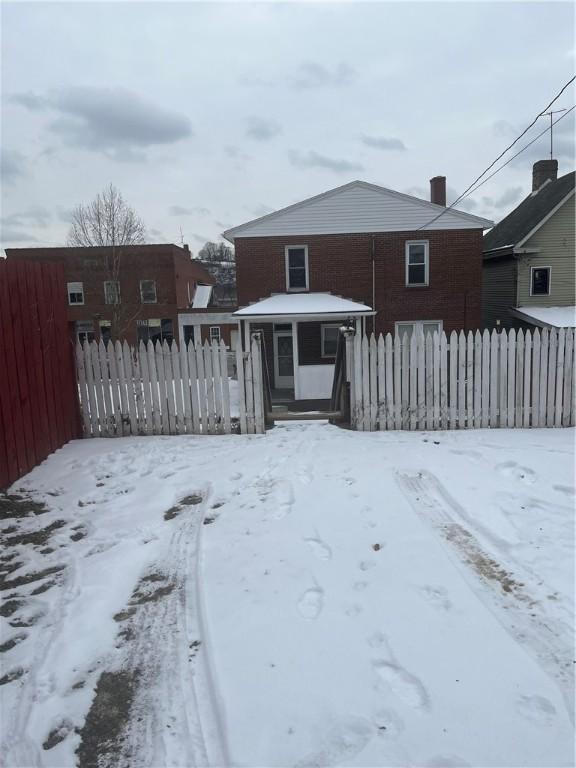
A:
[75,293]
[148,291]
[111,291]
[296,267]
[417,262]
[539,281]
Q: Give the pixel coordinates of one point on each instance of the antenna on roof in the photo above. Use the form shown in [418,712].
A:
[181,237]
[545,114]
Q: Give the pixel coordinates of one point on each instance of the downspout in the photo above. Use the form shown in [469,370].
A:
[374,283]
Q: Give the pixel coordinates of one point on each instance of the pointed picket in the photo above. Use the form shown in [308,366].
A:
[559,378]
[429,380]
[527,370]
[469,380]
[421,381]
[83,389]
[373,384]
[535,388]
[568,377]
[551,387]
[412,376]
[485,384]
[453,380]
[365,384]
[178,395]
[225,387]
[146,389]
[389,373]
[444,416]
[193,380]
[241,387]
[461,380]
[494,378]
[503,384]
[381,384]
[544,342]
[156,420]
[519,396]
[398,384]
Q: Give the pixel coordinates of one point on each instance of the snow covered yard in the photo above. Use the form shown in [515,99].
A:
[309,597]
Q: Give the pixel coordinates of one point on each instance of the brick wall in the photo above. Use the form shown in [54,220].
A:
[342,264]
[170,266]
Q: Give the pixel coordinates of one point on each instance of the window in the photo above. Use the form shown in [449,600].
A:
[214,333]
[84,331]
[148,291]
[112,292]
[330,340]
[155,330]
[75,293]
[539,281]
[105,331]
[296,267]
[418,326]
[417,262]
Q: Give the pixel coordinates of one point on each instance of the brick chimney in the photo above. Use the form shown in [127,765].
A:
[542,171]
[438,190]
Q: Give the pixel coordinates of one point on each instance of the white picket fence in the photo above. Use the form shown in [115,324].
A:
[514,379]
[165,390]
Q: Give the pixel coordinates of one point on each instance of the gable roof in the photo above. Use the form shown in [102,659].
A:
[357,207]
[529,214]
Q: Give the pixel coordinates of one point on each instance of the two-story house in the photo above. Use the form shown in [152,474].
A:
[131,292]
[529,271]
[388,261]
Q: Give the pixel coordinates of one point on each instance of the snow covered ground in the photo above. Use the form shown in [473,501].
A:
[309,597]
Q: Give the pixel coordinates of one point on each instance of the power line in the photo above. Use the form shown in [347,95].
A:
[567,112]
[493,163]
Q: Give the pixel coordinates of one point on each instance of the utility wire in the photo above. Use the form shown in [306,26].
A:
[467,194]
[493,163]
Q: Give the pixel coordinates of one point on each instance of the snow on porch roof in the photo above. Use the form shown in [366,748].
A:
[286,304]
[548,317]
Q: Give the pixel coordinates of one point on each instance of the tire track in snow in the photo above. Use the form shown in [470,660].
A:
[508,597]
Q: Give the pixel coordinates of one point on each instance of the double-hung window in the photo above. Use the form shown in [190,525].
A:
[296,267]
[418,326]
[112,292]
[75,293]
[540,281]
[417,262]
[148,291]
[215,333]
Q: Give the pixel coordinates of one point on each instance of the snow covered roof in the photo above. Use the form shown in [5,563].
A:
[201,296]
[548,317]
[299,304]
[357,207]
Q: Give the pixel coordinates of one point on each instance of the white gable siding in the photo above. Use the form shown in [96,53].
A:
[357,208]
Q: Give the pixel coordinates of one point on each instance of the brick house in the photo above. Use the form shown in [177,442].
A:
[388,261]
[137,299]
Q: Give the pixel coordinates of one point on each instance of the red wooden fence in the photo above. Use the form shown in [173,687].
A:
[38,392]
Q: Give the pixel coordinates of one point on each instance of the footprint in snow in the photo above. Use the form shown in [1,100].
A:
[341,743]
[311,603]
[511,469]
[319,548]
[537,709]
[389,724]
[446,761]
[405,686]
[437,596]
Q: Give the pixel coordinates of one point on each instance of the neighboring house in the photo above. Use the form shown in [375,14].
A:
[388,261]
[133,292]
[210,317]
[530,257]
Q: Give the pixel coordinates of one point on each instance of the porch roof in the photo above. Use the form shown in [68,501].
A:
[303,306]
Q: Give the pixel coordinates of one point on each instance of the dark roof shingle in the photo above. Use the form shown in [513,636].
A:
[526,216]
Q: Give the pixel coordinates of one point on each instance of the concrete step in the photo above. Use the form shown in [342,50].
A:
[304,415]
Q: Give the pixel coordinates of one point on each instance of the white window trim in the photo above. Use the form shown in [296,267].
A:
[426,244]
[112,303]
[155,292]
[418,322]
[287,249]
[541,266]
[326,325]
[71,290]
[215,328]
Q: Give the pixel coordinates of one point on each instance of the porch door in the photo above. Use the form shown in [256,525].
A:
[283,360]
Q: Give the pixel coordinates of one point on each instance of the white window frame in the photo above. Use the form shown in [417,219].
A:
[110,282]
[323,352]
[543,266]
[426,244]
[142,292]
[417,323]
[287,250]
[73,288]
[213,338]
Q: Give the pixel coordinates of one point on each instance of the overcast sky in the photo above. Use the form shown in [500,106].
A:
[208,115]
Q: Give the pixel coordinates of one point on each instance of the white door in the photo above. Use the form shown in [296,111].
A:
[283,360]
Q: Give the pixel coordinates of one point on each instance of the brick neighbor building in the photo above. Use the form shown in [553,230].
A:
[134,292]
[389,261]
